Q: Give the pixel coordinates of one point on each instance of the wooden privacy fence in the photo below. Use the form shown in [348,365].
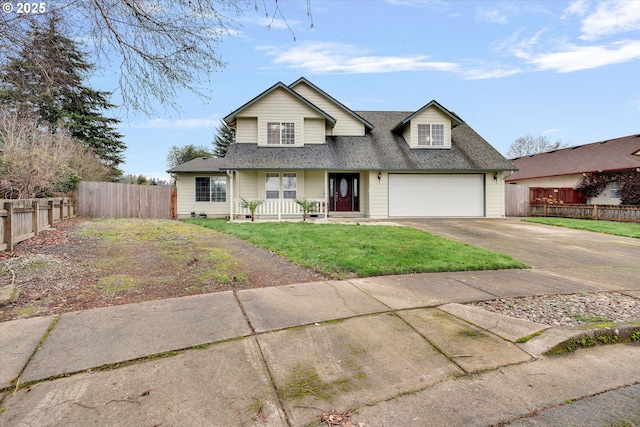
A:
[114,200]
[23,219]
[605,212]
[516,200]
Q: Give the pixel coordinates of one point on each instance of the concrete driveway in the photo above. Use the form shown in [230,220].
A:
[604,260]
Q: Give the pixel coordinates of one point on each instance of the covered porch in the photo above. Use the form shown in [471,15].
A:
[277,193]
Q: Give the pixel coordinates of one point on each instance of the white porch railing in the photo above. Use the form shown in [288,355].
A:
[279,207]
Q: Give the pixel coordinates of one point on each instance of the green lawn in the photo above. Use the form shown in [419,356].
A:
[627,229]
[341,251]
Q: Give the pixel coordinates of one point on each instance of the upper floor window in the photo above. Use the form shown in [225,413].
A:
[431,134]
[281,133]
[211,189]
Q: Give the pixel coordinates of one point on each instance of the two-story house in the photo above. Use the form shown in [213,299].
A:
[297,142]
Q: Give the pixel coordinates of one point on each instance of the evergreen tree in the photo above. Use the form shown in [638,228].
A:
[223,138]
[179,155]
[48,78]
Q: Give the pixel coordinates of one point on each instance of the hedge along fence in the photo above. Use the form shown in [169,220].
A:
[605,212]
[22,219]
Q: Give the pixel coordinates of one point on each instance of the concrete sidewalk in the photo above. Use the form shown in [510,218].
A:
[395,350]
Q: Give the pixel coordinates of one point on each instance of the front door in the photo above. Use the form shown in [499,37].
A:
[343,192]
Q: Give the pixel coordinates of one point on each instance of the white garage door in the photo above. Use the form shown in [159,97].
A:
[417,195]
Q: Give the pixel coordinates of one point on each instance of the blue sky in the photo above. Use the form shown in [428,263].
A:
[567,69]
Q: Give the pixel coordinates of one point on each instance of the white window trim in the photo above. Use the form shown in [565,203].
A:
[210,178]
[445,142]
[268,175]
[614,190]
[283,129]
[281,189]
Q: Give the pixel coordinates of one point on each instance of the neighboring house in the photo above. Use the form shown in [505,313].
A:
[298,142]
[556,175]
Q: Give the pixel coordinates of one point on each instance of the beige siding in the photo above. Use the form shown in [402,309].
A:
[378,197]
[431,115]
[604,198]
[494,196]
[314,132]
[310,184]
[346,124]
[280,106]
[314,185]
[186,198]
[248,185]
[247,130]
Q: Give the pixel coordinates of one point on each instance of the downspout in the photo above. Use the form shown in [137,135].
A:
[230,175]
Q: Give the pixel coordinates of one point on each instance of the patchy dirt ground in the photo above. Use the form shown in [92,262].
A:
[82,264]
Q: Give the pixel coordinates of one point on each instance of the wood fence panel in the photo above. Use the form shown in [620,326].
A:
[23,219]
[516,200]
[604,212]
[114,200]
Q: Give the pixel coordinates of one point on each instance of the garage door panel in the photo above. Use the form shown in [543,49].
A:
[431,195]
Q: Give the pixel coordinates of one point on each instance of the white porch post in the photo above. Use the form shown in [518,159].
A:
[326,194]
[231,200]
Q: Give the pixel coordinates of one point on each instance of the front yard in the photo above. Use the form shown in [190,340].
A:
[353,250]
[82,264]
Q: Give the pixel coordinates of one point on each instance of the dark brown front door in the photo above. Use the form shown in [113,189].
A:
[343,190]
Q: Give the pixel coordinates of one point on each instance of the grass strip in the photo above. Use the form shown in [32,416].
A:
[345,250]
[626,229]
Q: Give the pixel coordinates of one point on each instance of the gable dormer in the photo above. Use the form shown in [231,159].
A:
[280,117]
[429,127]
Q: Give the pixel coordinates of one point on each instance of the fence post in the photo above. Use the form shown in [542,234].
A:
[595,212]
[50,214]
[61,217]
[8,232]
[35,217]
[544,210]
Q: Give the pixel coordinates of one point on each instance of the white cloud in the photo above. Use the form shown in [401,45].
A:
[195,123]
[575,58]
[493,16]
[493,72]
[611,17]
[326,58]
[579,7]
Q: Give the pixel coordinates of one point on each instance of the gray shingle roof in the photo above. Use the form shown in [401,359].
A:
[199,165]
[380,149]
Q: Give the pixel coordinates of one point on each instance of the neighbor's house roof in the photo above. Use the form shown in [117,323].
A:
[379,149]
[200,165]
[610,155]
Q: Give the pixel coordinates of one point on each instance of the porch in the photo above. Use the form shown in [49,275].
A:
[279,208]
